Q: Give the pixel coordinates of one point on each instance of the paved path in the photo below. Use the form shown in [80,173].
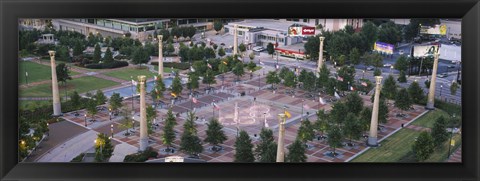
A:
[71,148]
[456,156]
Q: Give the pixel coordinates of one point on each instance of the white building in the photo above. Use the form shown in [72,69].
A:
[329,24]
[454,28]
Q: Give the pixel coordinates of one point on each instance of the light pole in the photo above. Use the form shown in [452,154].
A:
[111,129]
[303,100]
[441,88]
[65,84]
[133,111]
[391,68]
[85,120]
[133,124]
[363,74]
[265,125]
[110,113]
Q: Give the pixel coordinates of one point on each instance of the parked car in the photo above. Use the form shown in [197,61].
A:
[387,65]
[400,52]
[442,75]
[258,49]
[370,68]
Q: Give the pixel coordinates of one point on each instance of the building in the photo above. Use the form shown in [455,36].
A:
[454,28]
[30,24]
[329,24]
[138,28]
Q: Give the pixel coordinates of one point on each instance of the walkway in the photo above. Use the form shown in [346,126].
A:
[456,156]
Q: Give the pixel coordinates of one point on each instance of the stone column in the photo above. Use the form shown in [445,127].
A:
[57,111]
[433,81]
[372,138]
[281,134]
[160,55]
[235,41]
[320,56]
[143,114]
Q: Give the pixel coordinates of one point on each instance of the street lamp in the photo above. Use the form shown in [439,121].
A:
[363,74]
[85,120]
[265,125]
[391,68]
[111,129]
[110,113]
[133,111]
[303,100]
[441,88]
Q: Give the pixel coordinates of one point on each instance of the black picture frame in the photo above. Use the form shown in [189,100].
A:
[468,10]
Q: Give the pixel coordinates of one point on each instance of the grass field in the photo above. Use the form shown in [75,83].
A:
[30,105]
[81,85]
[36,72]
[125,74]
[398,147]
[165,69]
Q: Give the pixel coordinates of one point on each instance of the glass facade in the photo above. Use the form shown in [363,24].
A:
[120,25]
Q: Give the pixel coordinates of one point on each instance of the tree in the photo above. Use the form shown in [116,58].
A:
[97,53]
[243,148]
[323,76]
[168,133]
[453,88]
[402,63]
[354,103]
[209,53]
[290,80]
[369,31]
[209,77]
[390,33]
[365,118]
[251,66]
[75,99]
[190,143]
[238,70]
[416,92]
[151,114]
[322,123]
[140,56]
[352,127]
[78,48]
[63,74]
[402,100]
[283,72]
[108,58]
[390,87]
[91,108]
[177,85]
[330,86]
[272,78]
[100,98]
[439,132]
[402,78]
[307,84]
[338,112]
[341,60]
[221,52]
[170,49]
[103,148]
[423,146]
[270,49]
[354,56]
[159,88]
[242,47]
[305,132]
[115,102]
[192,83]
[311,46]
[251,56]
[215,134]
[266,150]
[348,75]
[217,25]
[296,152]
[334,138]
[383,111]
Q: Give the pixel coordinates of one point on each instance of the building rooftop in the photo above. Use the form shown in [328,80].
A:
[139,20]
[266,23]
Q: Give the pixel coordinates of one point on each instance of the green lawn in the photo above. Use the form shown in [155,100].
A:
[165,69]
[125,74]
[36,72]
[429,119]
[81,85]
[398,147]
[392,149]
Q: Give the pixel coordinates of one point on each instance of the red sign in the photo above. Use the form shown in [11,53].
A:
[308,30]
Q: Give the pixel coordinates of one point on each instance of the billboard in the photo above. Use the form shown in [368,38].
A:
[435,30]
[301,30]
[383,47]
[424,50]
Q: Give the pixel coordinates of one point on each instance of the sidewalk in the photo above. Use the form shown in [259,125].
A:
[71,148]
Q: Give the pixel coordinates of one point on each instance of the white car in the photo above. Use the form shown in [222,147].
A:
[400,52]
[258,49]
[387,65]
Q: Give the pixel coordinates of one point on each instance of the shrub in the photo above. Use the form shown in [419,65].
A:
[180,66]
[114,64]
[78,158]
[142,156]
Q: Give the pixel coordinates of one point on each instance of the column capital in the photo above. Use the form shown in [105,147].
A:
[142,79]
[281,118]
[378,79]
[51,53]
[160,38]
[322,38]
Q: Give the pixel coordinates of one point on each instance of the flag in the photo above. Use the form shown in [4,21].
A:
[340,78]
[191,69]
[364,84]
[209,66]
[351,88]
[216,106]
[194,100]
[173,73]
[287,114]
[26,74]
[322,101]
[173,94]
[337,96]
[261,63]
[156,90]
[306,106]
[276,66]
[224,62]
[155,77]
[134,82]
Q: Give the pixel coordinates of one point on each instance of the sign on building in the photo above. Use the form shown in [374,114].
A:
[174,159]
[301,30]
[435,30]
[383,47]
[425,50]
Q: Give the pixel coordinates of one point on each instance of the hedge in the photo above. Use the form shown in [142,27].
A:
[142,156]
[114,64]
[78,158]
[180,66]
